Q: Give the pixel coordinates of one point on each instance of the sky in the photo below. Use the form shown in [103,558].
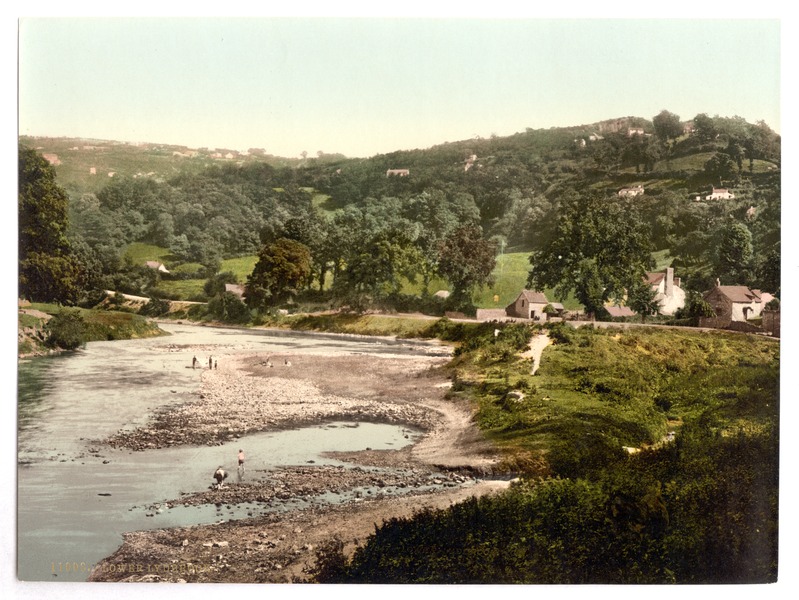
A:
[365,86]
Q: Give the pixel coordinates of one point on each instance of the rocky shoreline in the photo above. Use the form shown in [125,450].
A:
[295,516]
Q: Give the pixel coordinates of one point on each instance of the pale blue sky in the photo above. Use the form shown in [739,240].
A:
[367,86]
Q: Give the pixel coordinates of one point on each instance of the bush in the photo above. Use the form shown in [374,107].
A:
[156,307]
[66,330]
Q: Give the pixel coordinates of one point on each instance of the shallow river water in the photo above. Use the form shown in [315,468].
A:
[76,497]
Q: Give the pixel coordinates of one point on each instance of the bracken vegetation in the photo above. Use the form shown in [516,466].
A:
[698,508]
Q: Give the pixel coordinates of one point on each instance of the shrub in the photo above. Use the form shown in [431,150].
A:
[66,330]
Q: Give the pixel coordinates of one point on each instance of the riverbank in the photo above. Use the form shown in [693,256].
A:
[255,392]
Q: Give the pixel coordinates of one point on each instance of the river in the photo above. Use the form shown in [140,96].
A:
[76,496]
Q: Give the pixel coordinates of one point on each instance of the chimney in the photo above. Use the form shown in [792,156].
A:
[668,290]
[677,282]
[718,282]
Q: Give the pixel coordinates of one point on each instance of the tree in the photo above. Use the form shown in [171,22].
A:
[466,260]
[216,283]
[48,270]
[734,258]
[282,269]
[695,307]
[599,248]
[641,298]
[229,308]
[721,166]
[705,127]
[667,125]
[376,270]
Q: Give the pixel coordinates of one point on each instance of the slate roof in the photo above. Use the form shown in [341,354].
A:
[620,311]
[740,293]
[534,297]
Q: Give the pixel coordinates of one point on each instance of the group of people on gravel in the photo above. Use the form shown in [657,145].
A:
[212,362]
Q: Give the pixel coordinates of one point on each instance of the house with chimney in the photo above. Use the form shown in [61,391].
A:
[667,290]
[735,302]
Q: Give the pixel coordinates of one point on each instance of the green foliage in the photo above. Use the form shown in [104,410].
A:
[66,330]
[466,260]
[598,250]
[156,307]
[734,253]
[282,269]
[667,125]
[216,284]
[701,509]
[720,167]
[48,271]
[227,307]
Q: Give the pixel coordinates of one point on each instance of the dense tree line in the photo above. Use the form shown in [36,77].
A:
[378,231]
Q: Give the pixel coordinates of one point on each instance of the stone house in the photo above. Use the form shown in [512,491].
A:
[398,172]
[667,290]
[734,302]
[528,305]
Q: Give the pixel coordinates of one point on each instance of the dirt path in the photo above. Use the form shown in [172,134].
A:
[537,345]
[259,392]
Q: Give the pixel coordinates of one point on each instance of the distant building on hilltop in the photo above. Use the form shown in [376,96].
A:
[720,194]
[398,172]
[631,192]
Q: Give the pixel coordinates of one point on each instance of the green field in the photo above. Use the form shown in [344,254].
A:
[139,253]
[510,277]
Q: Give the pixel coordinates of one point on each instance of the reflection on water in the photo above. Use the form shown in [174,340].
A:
[76,497]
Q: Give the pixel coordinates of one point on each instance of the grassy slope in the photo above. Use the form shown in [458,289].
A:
[599,390]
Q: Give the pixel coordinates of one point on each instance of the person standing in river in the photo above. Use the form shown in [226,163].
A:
[210,362]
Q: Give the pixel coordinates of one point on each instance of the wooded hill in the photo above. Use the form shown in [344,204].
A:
[204,206]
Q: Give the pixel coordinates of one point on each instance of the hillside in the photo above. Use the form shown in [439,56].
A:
[200,211]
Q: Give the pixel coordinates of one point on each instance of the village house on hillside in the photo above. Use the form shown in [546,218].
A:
[235,289]
[158,266]
[631,192]
[398,172]
[667,290]
[529,305]
[720,194]
[736,302]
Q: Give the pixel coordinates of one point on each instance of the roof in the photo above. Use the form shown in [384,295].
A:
[235,288]
[534,297]
[655,278]
[739,293]
[557,305]
[620,311]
